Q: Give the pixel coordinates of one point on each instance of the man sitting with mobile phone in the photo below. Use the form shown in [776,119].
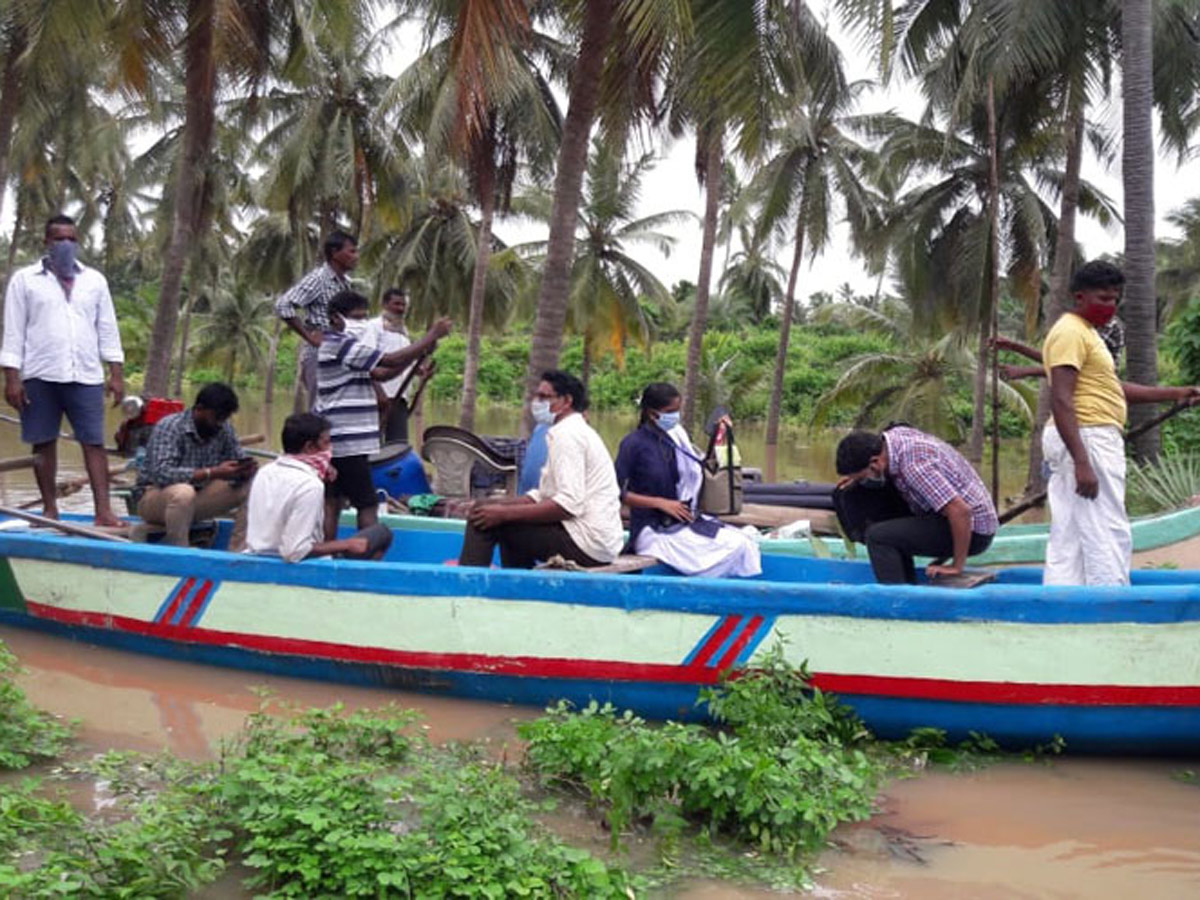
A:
[195,468]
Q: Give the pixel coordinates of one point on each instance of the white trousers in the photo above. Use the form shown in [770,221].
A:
[1090,540]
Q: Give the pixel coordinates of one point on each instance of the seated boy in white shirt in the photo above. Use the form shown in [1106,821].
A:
[286,509]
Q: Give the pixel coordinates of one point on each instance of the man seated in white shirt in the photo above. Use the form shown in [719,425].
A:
[286,510]
[575,511]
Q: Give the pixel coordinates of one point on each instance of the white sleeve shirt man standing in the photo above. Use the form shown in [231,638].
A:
[60,330]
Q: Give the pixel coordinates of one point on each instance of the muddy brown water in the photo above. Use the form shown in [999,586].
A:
[1087,828]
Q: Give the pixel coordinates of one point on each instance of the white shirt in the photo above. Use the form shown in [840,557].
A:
[386,341]
[579,476]
[285,515]
[51,336]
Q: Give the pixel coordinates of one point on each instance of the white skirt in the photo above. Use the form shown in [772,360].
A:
[729,554]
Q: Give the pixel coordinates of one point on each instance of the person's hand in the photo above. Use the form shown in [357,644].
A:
[1189,395]
[485,516]
[1008,371]
[934,571]
[845,481]
[115,386]
[676,509]
[228,469]
[1087,485]
[1002,343]
[313,337]
[14,393]
[356,546]
[427,368]
[441,328]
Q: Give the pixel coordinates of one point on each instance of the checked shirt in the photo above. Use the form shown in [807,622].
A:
[929,473]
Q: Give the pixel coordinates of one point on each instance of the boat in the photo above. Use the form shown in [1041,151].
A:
[1112,669]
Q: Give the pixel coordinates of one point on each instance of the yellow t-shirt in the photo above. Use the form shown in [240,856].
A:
[1099,399]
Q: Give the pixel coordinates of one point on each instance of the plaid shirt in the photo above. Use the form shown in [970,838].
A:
[311,295]
[175,451]
[929,473]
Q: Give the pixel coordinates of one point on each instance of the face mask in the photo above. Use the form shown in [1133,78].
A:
[1098,314]
[873,482]
[62,259]
[356,328]
[321,460]
[541,412]
[668,420]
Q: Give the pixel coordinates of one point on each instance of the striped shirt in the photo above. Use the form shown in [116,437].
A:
[311,295]
[346,393]
[929,473]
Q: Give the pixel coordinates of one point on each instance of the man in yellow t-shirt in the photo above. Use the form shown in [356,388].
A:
[1090,540]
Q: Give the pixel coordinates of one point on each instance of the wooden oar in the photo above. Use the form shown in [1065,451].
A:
[66,527]
[1038,499]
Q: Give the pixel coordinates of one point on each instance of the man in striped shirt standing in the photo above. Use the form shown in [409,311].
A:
[346,371]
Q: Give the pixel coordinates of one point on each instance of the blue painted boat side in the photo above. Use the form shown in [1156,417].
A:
[793,585]
[1109,729]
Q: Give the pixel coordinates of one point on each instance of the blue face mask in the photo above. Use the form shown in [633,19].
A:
[668,420]
[62,258]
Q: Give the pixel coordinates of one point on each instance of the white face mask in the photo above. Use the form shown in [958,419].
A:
[356,328]
[541,412]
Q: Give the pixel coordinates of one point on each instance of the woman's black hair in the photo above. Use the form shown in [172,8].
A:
[657,395]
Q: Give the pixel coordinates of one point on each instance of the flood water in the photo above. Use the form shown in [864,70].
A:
[802,454]
[1087,828]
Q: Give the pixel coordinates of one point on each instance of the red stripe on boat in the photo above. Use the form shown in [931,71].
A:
[196,604]
[607,670]
[182,592]
[714,643]
[742,640]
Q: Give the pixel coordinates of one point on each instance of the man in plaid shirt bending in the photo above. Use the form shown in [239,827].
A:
[951,512]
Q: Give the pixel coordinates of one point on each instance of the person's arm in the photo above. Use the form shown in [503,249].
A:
[404,357]
[1062,408]
[164,460]
[1003,343]
[302,520]
[288,307]
[12,351]
[628,464]
[1140,393]
[516,509]
[676,509]
[1015,373]
[958,515]
[109,338]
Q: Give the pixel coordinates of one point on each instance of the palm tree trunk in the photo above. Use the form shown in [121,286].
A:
[1064,261]
[979,417]
[568,183]
[362,189]
[200,92]
[585,365]
[483,254]
[712,207]
[1137,174]
[272,360]
[775,409]
[18,220]
[10,100]
[181,365]
[993,283]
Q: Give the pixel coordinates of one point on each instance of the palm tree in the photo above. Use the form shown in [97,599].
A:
[477,95]
[916,382]
[608,286]
[816,161]
[752,279]
[234,329]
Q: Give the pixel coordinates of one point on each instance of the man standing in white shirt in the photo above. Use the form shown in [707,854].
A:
[286,511]
[575,511]
[59,330]
[388,332]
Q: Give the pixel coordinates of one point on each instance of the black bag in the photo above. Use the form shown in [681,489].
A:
[858,508]
[721,493]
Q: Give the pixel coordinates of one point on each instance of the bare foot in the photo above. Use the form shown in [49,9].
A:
[109,520]
[50,512]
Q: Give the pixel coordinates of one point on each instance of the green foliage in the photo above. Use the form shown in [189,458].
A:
[1166,484]
[26,734]
[779,778]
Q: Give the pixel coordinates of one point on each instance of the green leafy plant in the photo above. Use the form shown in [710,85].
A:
[26,733]
[1167,484]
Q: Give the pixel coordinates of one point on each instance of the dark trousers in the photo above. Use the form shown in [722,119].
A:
[893,544]
[521,545]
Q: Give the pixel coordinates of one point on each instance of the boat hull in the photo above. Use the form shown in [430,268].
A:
[1113,670]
